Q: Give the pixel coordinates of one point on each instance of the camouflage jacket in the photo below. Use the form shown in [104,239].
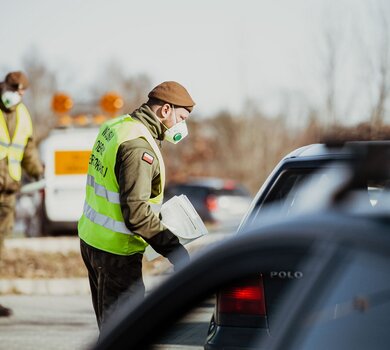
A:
[30,163]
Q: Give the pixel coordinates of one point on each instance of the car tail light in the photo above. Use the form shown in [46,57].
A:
[211,203]
[242,304]
[229,185]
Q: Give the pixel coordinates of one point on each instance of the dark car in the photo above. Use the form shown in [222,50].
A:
[315,280]
[284,193]
[219,202]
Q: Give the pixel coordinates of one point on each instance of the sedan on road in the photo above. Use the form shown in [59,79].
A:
[220,203]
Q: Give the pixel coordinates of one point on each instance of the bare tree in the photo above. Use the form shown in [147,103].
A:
[337,55]
[383,70]
[132,88]
[242,148]
[42,87]
[330,63]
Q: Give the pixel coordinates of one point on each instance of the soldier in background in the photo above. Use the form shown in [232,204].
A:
[17,151]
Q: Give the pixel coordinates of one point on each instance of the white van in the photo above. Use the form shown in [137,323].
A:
[65,154]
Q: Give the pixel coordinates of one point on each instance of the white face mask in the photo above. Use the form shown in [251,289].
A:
[177,132]
[11,98]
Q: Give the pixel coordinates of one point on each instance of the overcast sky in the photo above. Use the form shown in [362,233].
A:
[223,51]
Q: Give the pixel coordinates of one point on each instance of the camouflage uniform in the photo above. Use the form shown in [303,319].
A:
[7,205]
[8,186]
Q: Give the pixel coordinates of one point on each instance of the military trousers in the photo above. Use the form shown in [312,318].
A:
[113,279]
[7,216]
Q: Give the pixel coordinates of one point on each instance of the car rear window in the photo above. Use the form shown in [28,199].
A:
[190,191]
[282,193]
[229,192]
[203,191]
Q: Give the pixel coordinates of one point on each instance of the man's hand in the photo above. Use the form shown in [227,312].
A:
[179,257]
[168,245]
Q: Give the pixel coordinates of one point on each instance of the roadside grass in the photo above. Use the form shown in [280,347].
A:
[27,260]
[24,263]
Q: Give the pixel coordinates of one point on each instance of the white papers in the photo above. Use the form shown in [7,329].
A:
[180,217]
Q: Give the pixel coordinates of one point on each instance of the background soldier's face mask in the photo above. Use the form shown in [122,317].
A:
[11,98]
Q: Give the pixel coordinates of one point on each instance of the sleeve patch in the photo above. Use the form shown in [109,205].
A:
[148,158]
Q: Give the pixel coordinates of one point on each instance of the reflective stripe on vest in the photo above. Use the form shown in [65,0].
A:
[14,149]
[113,197]
[105,221]
[101,191]
[102,225]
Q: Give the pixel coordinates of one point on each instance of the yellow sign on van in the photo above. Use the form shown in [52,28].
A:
[71,162]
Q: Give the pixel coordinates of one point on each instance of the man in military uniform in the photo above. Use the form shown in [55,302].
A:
[17,151]
[125,184]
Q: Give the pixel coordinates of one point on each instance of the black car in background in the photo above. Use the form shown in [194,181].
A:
[219,202]
[315,275]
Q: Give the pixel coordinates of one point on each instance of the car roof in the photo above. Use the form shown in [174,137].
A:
[331,151]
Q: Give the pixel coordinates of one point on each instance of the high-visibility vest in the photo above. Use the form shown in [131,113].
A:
[14,149]
[102,224]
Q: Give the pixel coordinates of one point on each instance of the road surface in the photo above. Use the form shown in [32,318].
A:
[62,322]
[68,323]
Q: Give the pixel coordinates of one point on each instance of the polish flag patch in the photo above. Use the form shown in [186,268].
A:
[148,158]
